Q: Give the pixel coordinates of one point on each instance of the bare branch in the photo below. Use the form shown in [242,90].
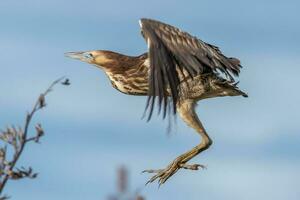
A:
[17,138]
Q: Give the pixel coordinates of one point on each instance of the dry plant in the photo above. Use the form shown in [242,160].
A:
[122,188]
[15,139]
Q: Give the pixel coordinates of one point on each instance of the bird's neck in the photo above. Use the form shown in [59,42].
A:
[130,75]
[120,64]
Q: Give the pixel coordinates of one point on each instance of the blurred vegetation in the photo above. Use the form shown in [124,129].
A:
[122,189]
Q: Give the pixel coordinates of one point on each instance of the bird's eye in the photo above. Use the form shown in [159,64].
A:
[88,55]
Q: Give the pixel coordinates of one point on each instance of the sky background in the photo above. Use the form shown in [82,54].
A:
[91,128]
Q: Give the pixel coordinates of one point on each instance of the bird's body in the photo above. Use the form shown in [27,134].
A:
[130,75]
[178,71]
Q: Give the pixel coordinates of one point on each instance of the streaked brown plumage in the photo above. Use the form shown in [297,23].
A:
[178,71]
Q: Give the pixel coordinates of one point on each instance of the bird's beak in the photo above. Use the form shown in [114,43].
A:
[81,55]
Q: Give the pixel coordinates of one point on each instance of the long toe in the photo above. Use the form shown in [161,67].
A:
[152,171]
[162,175]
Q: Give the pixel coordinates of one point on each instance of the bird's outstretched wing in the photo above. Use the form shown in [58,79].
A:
[169,47]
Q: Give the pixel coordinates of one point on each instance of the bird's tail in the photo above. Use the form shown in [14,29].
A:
[238,89]
[233,87]
[242,93]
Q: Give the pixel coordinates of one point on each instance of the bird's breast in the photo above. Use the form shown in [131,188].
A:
[129,84]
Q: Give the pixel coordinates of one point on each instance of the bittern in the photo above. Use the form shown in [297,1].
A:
[177,71]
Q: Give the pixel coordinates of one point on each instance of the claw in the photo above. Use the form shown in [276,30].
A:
[164,174]
[152,171]
[155,177]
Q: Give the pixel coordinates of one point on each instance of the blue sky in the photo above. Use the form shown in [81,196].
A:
[92,128]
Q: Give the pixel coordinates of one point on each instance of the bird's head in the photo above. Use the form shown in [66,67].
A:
[101,58]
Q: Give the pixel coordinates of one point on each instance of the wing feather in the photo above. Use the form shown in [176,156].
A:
[171,48]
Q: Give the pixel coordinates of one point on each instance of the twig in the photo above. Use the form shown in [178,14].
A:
[18,138]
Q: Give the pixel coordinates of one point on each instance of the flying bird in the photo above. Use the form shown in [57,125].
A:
[177,71]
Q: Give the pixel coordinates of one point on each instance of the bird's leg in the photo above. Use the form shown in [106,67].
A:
[180,162]
[186,109]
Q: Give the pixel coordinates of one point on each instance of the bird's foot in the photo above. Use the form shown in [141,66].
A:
[164,174]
